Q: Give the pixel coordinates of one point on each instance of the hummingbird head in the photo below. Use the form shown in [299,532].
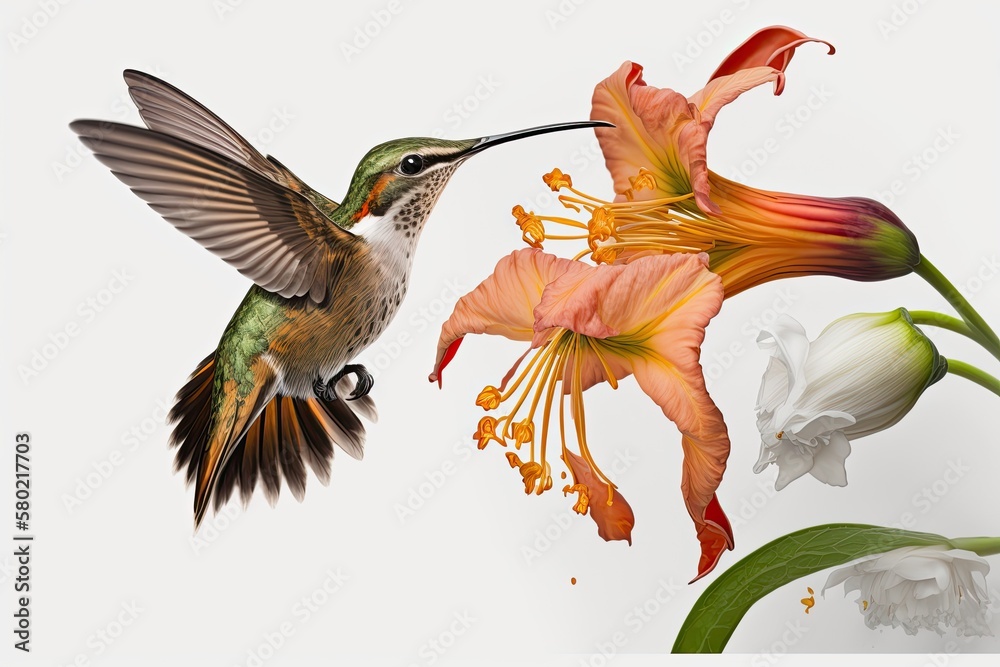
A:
[402,179]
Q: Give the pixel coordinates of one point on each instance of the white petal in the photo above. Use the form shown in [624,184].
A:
[828,462]
[792,464]
[815,428]
[789,346]
[917,588]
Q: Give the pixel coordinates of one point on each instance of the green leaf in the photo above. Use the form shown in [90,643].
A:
[718,611]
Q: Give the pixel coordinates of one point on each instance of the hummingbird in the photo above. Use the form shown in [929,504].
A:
[280,391]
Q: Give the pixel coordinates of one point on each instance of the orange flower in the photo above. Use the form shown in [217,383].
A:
[586,325]
[667,200]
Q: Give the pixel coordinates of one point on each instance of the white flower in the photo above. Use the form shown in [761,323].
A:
[861,375]
[931,587]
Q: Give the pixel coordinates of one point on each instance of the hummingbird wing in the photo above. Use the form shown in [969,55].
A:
[269,233]
[169,110]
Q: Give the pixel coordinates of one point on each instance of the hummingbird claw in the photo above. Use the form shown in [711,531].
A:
[365,383]
[324,390]
[328,390]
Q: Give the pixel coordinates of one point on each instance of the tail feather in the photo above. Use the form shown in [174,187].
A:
[192,413]
[288,435]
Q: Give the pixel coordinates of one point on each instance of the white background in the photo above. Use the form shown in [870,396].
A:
[904,72]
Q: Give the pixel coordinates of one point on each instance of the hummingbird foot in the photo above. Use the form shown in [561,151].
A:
[328,390]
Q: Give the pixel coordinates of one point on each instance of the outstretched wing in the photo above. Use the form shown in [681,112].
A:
[269,233]
[166,109]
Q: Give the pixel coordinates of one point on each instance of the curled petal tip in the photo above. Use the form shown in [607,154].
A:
[769,47]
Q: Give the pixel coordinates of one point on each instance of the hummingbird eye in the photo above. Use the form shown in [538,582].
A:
[411,164]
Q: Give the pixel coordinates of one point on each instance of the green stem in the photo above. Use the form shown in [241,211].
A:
[930,318]
[929,272]
[970,372]
[984,546]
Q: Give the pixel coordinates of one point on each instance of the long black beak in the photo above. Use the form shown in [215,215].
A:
[497,139]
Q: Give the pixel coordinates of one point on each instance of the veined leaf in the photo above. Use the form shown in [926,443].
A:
[718,611]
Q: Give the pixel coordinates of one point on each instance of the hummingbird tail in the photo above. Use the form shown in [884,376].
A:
[286,435]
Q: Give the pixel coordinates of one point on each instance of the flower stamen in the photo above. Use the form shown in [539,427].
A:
[626,227]
[557,180]
[489,398]
[532,230]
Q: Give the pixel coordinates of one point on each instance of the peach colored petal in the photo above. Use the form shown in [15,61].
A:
[768,47]
[666,132]
[576,302]
[688,296]
[614,521]
[632,144]
[677,385]
[719,92]
[502,304]
[645,295]
[627,298]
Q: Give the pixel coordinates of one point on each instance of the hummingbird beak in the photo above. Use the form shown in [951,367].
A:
[497,139]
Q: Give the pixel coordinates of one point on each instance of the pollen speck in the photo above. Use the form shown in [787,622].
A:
[810,601]
[562,475]
[572,580]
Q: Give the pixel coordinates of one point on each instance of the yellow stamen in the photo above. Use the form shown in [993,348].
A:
[487,431]
[556,180]
[536,477]
[583,501]
[532,230]
[540,380]
[779,435]
[601,226]
[605,254]
[651,226]
[864,605]
[644,180]
[524,431]
[489,398]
